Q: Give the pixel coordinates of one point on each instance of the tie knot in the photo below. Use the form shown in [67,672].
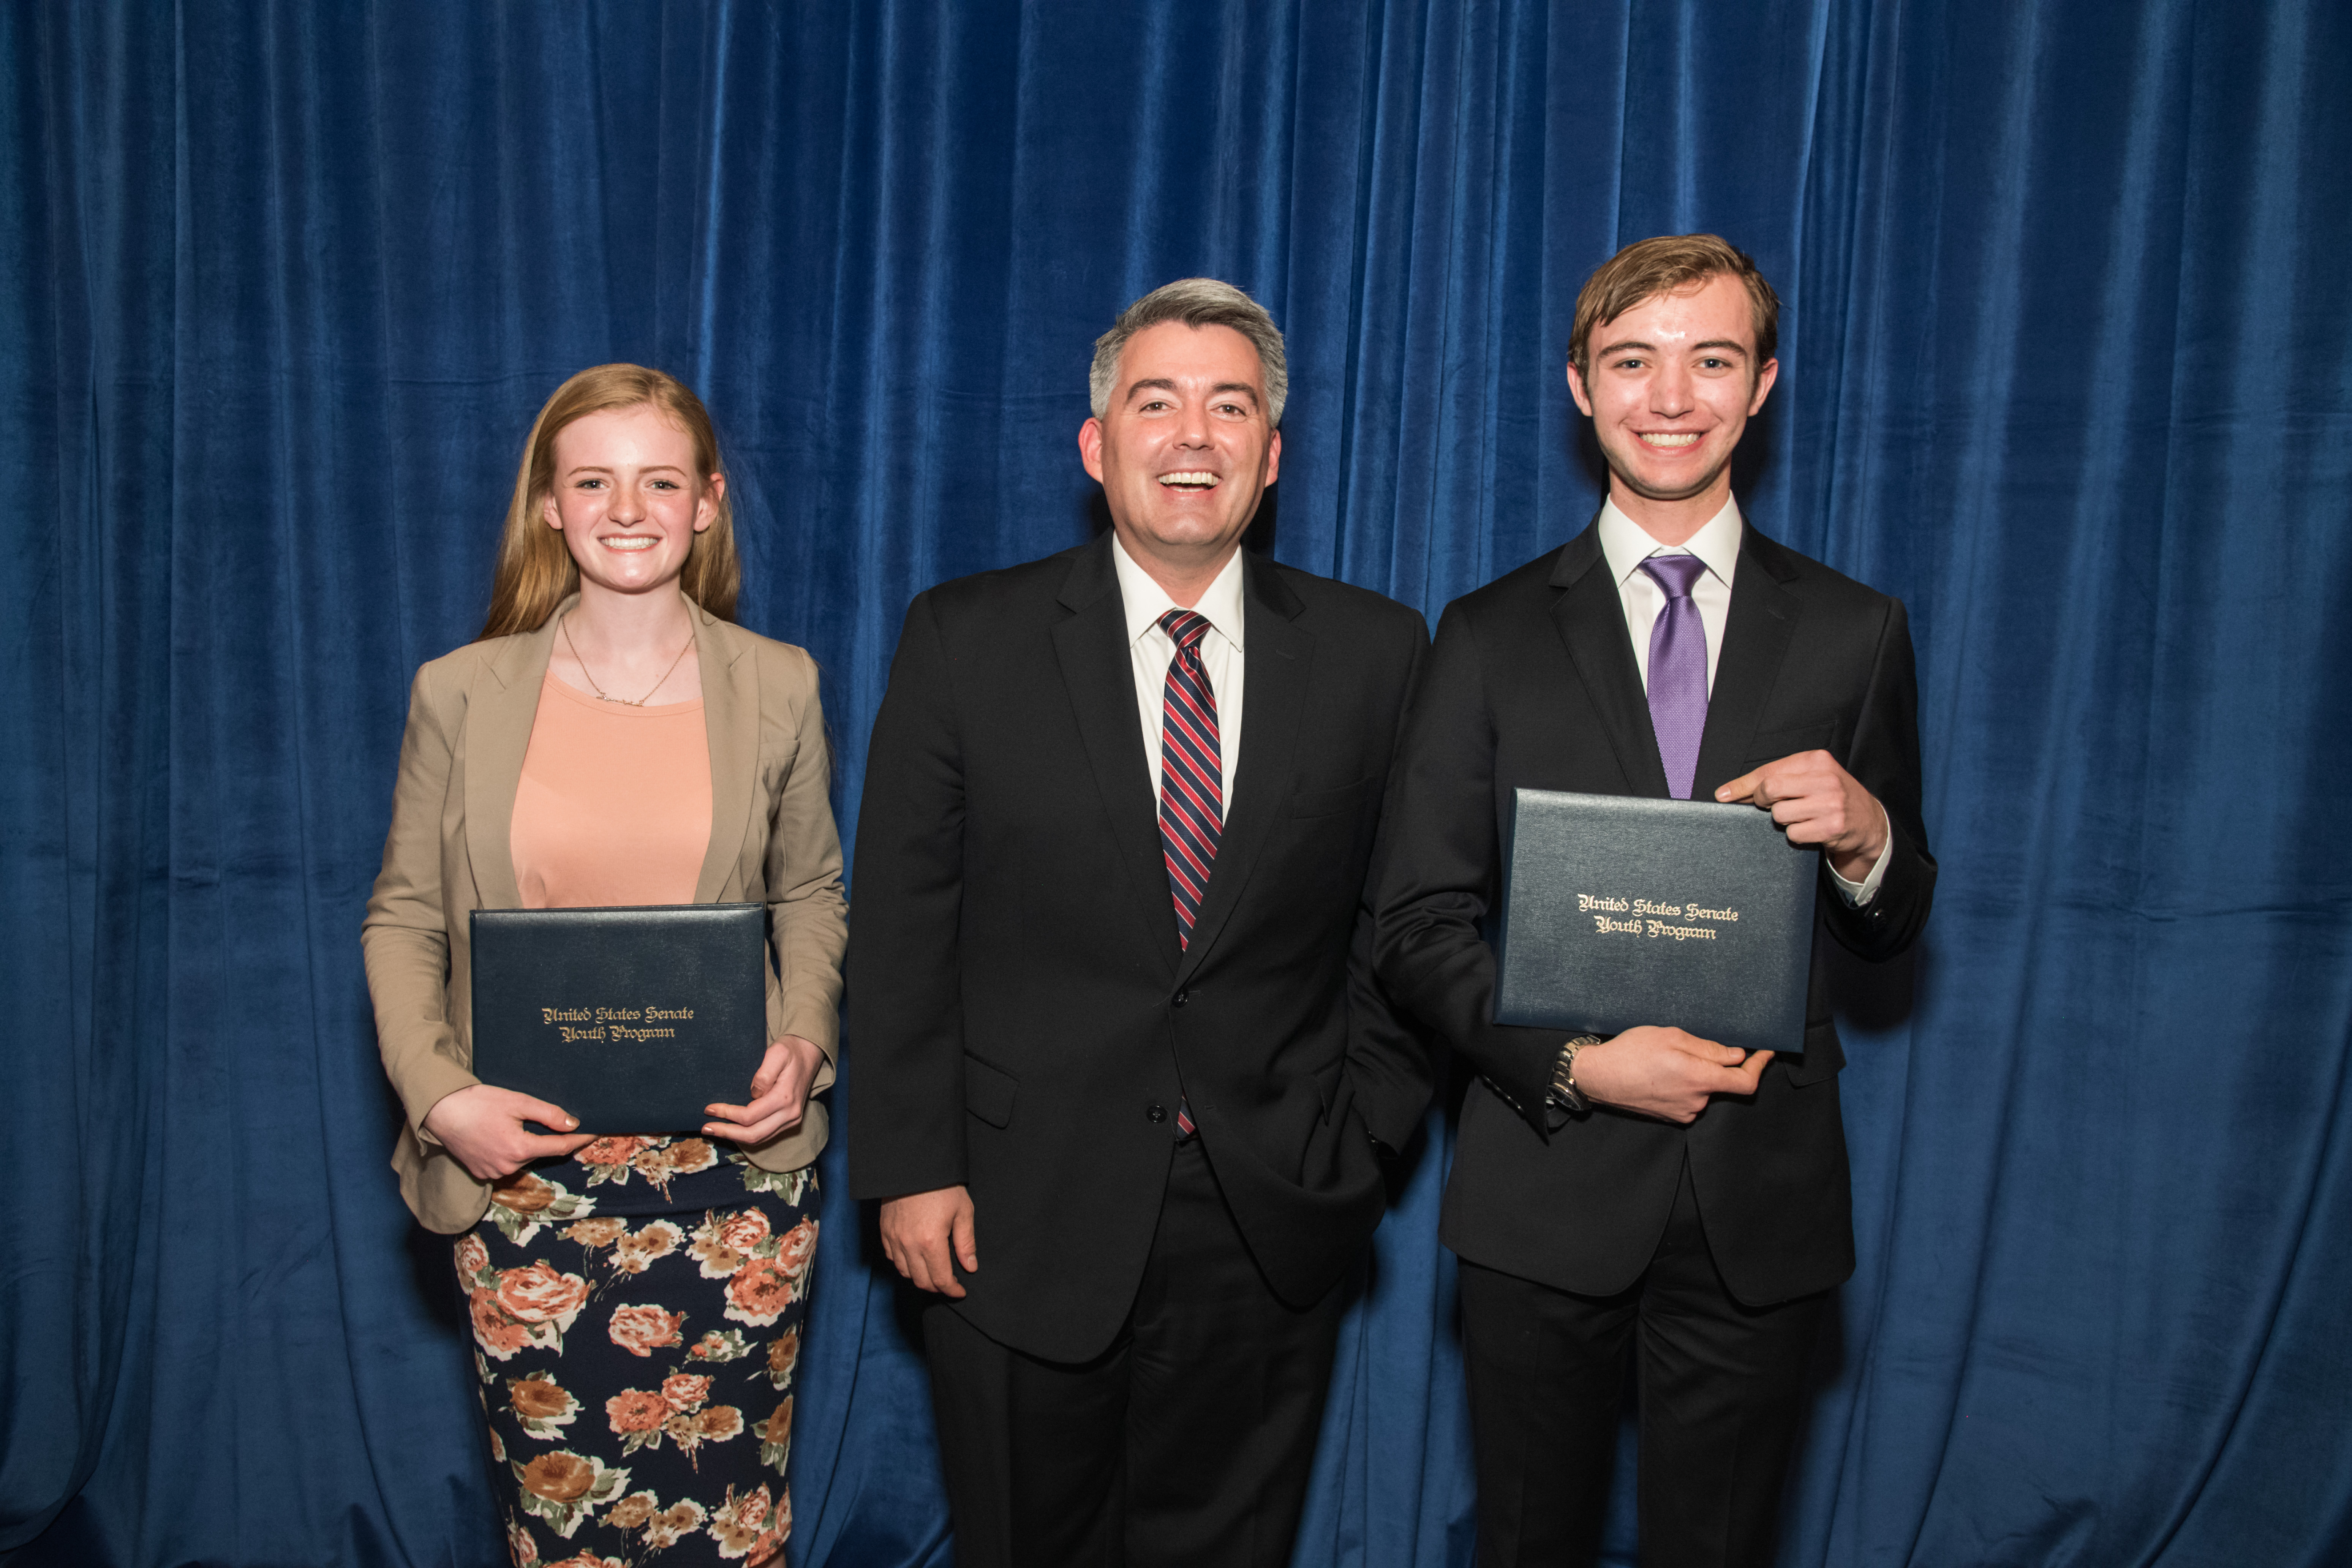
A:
[1674,574]
[1185,628]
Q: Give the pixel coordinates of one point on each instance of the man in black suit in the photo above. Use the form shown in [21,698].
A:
[1653,1193]
[1121,1063]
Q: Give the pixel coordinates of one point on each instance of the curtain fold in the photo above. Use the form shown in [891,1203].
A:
[2064,364]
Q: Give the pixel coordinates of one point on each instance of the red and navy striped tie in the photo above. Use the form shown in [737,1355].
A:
[1191,782]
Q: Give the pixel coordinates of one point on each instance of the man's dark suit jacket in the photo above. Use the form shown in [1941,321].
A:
[1025,1022]
[1532,682]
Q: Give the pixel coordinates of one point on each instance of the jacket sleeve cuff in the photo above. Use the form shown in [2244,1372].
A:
[817,1023]
[1857,894]
[427,1085]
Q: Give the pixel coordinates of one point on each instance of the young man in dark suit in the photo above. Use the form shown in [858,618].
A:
[1654,1193]
[1122,1069]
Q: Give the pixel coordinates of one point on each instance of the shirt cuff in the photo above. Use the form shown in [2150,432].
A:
[1858,894]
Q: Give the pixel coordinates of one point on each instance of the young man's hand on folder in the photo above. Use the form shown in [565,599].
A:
[1816,802]
[1667,1073]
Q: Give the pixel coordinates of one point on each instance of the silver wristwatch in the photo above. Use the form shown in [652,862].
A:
[1564,1092]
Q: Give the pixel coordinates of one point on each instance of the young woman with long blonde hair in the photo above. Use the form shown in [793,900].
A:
[614,738]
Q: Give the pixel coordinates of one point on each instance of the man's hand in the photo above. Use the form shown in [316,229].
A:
[780,1092]
[1666,1073]
[484,1128]
[916,1231]
[1818,802]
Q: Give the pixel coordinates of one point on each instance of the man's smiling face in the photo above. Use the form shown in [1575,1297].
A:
[1672,385]
[1185,449]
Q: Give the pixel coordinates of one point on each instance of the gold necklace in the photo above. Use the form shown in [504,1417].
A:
[564,625]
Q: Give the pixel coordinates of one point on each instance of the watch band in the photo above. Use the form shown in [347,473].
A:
[1564,1092]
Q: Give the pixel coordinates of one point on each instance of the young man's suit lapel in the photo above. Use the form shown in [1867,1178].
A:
[1591,618]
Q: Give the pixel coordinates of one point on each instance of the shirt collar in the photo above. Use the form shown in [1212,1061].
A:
[1147,601]
[1627,545]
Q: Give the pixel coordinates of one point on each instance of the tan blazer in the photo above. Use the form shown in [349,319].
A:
[771,841]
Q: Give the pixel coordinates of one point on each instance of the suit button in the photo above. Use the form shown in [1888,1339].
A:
[1158,1114]
[1180,998]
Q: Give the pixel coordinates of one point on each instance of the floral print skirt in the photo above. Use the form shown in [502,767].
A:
[636,1313]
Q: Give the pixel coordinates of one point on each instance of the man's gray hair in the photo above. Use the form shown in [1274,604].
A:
[1196,302]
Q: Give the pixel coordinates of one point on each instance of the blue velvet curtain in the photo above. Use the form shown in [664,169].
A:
[2068,364]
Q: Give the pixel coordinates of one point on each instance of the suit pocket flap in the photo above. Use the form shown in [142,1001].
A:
[1771,745]
[1825,1056]
[988,1093]
[1327,802]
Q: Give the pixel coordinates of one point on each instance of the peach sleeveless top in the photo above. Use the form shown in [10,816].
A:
[614,803]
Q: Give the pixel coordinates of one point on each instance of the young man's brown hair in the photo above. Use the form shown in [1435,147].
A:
[1661,266]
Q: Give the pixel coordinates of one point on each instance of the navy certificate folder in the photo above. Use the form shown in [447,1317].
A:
[1620,910]
[633,1019]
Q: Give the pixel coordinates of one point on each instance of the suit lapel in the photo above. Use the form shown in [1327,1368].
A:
[499,711]
[1277,661]
[1096,672]
[1591,620]
[731,717]
[1756,639]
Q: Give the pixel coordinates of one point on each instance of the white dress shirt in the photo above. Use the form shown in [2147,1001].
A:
[1625,545]
[1149,651]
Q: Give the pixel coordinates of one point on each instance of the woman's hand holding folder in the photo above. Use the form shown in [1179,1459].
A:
[483,1127]
[779,1092]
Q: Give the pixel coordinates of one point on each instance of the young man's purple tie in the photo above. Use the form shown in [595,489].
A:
[1677,669]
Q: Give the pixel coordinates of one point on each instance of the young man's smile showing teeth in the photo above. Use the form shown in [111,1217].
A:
[1670,386]
[1190,481]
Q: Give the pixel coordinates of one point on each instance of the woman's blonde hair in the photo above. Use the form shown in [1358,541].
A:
[535,571]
